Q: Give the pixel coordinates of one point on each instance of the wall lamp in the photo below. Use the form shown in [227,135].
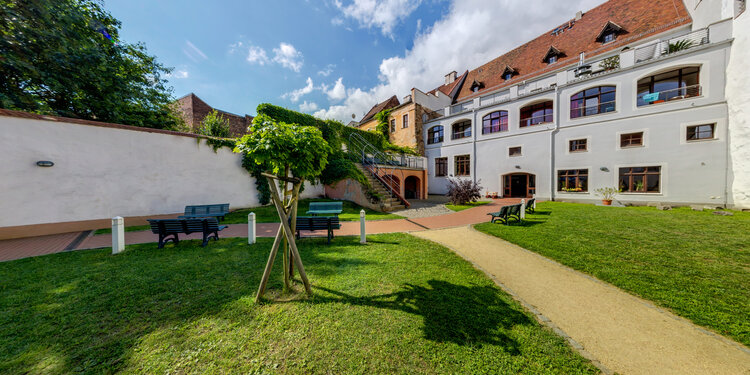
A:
[45,163]
[518,167]
[604,169]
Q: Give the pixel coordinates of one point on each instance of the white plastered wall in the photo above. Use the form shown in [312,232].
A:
[738,100]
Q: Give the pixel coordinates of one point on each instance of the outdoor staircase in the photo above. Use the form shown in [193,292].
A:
[388,201]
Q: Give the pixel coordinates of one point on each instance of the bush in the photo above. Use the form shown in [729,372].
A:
[214,125]
[463,191]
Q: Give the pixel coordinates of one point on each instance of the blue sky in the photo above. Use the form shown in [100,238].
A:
[331,58]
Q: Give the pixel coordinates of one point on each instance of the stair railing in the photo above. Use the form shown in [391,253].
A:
[378,163]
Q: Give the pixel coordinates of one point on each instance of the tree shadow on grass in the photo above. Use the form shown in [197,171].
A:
[463,315]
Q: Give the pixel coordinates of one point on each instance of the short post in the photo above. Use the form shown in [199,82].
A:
[523,209]
[118,234]
[251,228]
[362,235]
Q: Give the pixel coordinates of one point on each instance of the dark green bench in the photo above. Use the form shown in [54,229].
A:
[325,208]
[311,223]
[530,205]
[206,210]
[169,229]
[506,213]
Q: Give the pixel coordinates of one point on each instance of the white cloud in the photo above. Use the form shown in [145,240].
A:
[381,14]
[234,47]
[257,55]
[295,95]
[179,74]
[338,92]
[193,52]
[468,36]
[337,21]
[327,71]
[288,56]
[308,107]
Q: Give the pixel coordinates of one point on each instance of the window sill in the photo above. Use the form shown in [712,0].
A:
[701,140]
[629,147]
[640,193]
[530,126]
[573,192]
[578,152]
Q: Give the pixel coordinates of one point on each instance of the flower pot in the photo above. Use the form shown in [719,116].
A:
[607,202]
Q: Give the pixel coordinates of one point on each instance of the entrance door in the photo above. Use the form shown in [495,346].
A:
[411,187]
[519,185]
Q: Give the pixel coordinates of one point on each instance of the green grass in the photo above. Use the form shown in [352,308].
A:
[695,263]
[267,214]
[396,305]
[461,207]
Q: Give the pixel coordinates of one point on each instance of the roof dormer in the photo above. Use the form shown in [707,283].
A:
[609,32]
[476,86]
[552,55]
[508,73]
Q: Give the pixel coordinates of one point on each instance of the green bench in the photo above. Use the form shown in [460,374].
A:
[168,229]
[325,208]
[530,205]
[206,210]
[311,223]
[507,213]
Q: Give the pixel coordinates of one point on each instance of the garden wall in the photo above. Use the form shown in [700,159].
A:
[104,170]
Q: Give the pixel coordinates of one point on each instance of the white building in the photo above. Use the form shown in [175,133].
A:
[653,100]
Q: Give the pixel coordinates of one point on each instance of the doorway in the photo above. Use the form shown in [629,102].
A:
[411,187]
[519,185]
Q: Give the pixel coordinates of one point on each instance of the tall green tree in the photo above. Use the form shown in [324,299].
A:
[55,59]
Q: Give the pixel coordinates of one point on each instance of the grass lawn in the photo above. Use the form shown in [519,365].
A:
[396,305]
[461,207]
[695,263]
[267,214]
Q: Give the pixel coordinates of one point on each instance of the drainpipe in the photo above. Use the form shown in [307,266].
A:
[474,141]
[552,134]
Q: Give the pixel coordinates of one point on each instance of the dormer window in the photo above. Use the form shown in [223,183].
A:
[609,33]
[552,55]
[508,73]
[476,86]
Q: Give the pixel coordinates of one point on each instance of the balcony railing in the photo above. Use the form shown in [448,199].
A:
[672,45]
[463,107]
[535,120]
[593,109]
[669,95]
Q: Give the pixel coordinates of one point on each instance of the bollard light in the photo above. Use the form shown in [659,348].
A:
[251,228]
[523,209]
[118,234]
[362,234]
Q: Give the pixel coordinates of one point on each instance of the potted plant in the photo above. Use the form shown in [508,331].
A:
[607,194]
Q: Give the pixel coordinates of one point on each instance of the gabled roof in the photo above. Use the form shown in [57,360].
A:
[387,104]
[609,27]
[553,52]
[641,18]
[451,89]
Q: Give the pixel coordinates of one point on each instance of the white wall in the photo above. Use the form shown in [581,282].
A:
[738,100]
[101,172]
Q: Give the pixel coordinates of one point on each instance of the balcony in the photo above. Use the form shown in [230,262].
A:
[679,93]
[673,45]
[463,107]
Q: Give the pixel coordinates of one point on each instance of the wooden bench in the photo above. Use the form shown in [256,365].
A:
[312,223]
[325,208]
[206,210]
[530,205]
[169,229]
[506,213]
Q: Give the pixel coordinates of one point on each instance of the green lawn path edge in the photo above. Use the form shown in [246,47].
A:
[397,304]
[694,263]
[461,207]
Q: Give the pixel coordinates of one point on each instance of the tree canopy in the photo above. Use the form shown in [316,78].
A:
[279,145]
[64,57]
[214,125]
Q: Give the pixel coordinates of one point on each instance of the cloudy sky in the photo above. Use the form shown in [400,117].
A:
[330,58]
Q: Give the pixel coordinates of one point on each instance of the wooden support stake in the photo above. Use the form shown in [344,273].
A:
[290,237]
[269,265]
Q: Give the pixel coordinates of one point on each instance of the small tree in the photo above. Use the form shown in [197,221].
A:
[292,154]
[462,191]
[382,126]
[214,125]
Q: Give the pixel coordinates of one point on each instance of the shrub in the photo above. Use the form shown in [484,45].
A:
[214,125]
[463,191]
[383,126]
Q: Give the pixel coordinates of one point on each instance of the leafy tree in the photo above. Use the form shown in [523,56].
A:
[56,59]
[214,125]
[382,126]
[463,191]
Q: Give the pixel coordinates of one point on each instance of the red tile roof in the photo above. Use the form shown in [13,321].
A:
[637,18]
[389,103]
[452,88]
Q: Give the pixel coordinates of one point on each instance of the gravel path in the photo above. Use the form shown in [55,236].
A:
[620,332]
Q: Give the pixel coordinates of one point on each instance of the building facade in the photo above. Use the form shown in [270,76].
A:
[193,109]
[631,95]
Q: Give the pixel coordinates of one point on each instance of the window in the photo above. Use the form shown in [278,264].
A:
[393,125]
[573,180]
[640,179]
[672,85]
[406,121]
[631,139]
[461,130]
[495,122]
[441,167]
[551,59]
[514,151]
[699,132]
[592,101]
[578,145]
[507,76]
[463,165]
[536,114]
[608,37]
[435,134]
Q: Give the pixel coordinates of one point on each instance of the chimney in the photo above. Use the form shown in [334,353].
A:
[579,15]
[450,77]
[407,98]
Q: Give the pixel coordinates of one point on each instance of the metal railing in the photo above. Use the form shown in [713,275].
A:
[668,95]
[672,45]
[463,107]
[497,98]
[603,107]
[382,165]
[531,121]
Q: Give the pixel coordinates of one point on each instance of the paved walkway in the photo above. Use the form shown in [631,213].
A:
[624,333]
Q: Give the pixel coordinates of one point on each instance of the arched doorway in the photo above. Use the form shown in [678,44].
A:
[412,187]
[519,185]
